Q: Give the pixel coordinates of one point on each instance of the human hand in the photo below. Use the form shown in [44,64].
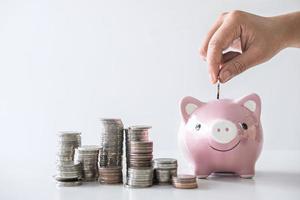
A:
[253,38]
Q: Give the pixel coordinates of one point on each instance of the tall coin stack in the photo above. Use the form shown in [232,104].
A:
[87,155]
[111,150]
[139,157]
[164,170]
[68,172]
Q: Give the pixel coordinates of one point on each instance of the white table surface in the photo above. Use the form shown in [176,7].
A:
[277,177]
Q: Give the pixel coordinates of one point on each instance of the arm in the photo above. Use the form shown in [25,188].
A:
[291,25]
[256,38]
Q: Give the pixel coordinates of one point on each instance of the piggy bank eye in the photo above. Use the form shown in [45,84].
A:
[244,126]
[197,127]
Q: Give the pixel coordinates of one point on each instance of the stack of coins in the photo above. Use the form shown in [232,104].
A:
[111,143]
[110,175]
[68,172]
[139,148]
[184,181]
[111,150]
[88,156]
[140,154]
[164,170]
[140,177]
[139,157]
[138,133]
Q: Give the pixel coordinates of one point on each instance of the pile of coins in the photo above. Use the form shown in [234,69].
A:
[139,157]
[111,142]
[68,172]
[88,156]
[140,154]
[76,163]
[111,150]
[184,181]
[138,133]
[140,177]
[110,175]
[164,170]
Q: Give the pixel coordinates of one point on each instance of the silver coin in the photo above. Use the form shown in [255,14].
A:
[69,133]
[184,178]
[89,148]
[165,160]
[139,127]
[68,184]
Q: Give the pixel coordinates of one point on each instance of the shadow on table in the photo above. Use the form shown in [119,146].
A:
[268,178]
[219,179]
[279,178]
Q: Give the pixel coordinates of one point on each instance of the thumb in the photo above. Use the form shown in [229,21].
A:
[238,65]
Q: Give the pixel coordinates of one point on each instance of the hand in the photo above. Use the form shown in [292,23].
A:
[253,39]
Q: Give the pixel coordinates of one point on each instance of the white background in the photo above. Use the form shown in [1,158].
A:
[66,63]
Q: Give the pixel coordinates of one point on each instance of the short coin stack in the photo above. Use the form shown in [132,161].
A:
[111,150]
[140,177]
[164,170]
[110,175]
[184,181]
[88,156]
[139,157]
[68,172]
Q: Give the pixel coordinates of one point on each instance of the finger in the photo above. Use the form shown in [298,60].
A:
[229,55]
[238,65]
[213,29]
[221,40]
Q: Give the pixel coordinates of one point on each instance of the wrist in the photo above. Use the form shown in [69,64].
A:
[288,29]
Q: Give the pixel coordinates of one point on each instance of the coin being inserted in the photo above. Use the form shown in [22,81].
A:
[218,89]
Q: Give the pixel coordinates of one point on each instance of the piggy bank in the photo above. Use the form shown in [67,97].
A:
[222,135]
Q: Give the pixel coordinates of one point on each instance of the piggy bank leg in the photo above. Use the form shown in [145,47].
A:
[202,172]
[247,173]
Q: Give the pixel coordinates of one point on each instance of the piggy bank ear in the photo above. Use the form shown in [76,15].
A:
[188,105]
[251,102]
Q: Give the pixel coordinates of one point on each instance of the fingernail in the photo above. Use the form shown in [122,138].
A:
[225,76]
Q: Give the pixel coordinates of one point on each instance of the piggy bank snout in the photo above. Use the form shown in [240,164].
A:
[223,131]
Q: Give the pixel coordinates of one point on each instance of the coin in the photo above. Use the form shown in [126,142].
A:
[218,89]
[68,184]
[185,178]
[58,178]
[138,133]
[89,148]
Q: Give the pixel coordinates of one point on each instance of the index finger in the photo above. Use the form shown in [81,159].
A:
[220,41]
[210,33]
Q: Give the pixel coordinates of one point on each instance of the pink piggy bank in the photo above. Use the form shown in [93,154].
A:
[222,135]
